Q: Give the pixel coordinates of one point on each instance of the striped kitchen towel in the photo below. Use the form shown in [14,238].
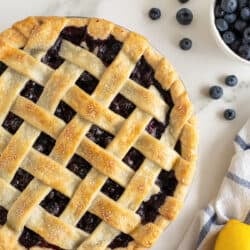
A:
[232,201]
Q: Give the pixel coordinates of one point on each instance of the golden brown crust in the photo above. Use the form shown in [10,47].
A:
[36,35]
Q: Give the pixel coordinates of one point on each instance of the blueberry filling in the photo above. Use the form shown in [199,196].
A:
[12,122]
[112,189]
[87,82]
[44,143]
[89,222]
[21,179]
[55,202]
[133,158]
[3,67]
[122,240]
[149,209]
[52,57]
[79,166]
[106,49]
[177,147]
[3,215]
[32,91]
[65,112]
[143,73]
[74,34]
[30,239]
[99,136]
[122,106]
[155,128]
[166,95]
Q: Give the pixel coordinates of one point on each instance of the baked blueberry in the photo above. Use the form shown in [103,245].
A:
[245,13]
[228,37]
[218,11]
[230,18]
[185,44]
[221,24]
[229,114]
[246,34]
[184,16]
[244,51]
[240,25]
[229,5]
[183,1]
[231,80]
[154,13]
[216,92]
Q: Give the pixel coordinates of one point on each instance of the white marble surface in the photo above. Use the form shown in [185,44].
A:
[201,67]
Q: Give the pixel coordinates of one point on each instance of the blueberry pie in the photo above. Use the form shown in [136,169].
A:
[98,138]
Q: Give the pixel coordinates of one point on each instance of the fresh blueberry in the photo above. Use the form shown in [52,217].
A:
[242,3]
[184,16]
[229,114]
[183,1]
[221,24]
[235,45]
[240,25]
[229,5]
[218,11]
[228,37]
[154,13]
[231,80]
[245,13]
[230,18]
[244,51]
[216,92]
[246,34]
[185,44]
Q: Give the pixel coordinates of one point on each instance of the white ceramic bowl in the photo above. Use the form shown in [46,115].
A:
[219,39]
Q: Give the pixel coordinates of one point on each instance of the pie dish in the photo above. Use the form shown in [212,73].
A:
[98,139]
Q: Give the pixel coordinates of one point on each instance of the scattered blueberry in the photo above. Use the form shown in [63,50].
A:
[229,114]
[231,80]
[154,13]
[216,92]
[244,51]
[183,1]
[246,34]
[185,44]
[240,25]
[229,5]
[245,13]
[221,24]
[230,18]
[228,37]
[184,16]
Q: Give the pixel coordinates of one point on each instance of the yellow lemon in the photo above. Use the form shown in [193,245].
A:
[234,236]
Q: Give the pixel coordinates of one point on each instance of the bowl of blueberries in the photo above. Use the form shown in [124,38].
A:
[231,24]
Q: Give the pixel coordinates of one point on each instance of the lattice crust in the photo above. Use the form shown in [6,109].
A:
[21,49]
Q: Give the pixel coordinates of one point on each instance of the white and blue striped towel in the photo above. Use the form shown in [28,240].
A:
[232,201]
